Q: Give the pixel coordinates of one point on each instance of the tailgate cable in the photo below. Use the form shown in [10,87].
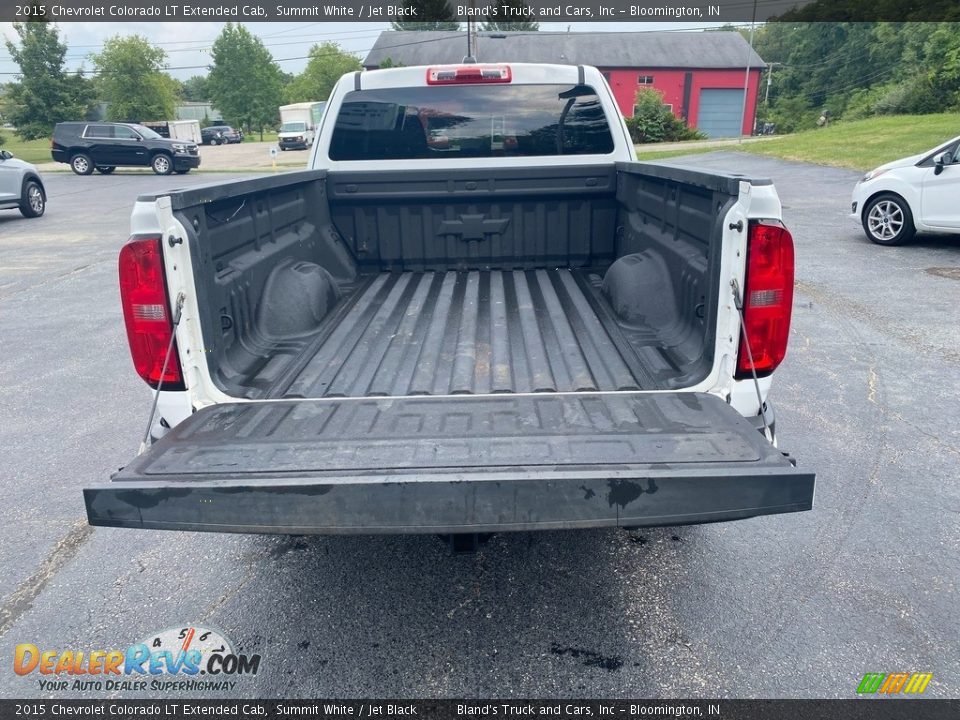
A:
[738,303]
[178,310]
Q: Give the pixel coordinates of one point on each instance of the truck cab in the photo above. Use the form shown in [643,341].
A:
[474,312]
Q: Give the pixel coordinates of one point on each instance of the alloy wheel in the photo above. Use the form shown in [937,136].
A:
[35,199]
[885,220]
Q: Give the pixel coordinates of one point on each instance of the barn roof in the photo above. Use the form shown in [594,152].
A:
[602,49]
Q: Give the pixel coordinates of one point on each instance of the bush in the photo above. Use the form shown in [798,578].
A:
[792,115]
[861,102]
[654,122]
[914,96]
[910,97]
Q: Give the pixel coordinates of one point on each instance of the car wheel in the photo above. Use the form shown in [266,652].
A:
[33,201]
[162,164]
[887,220]
[105,170]
[183,172]
[81,164]
[214,141]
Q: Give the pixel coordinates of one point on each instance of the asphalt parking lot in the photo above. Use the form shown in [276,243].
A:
[784,606]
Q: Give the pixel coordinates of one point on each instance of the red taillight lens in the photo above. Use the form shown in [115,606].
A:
[468,74]
[146,311]
[768,297]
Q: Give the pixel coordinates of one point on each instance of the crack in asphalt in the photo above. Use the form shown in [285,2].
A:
[853,310]
[29,590]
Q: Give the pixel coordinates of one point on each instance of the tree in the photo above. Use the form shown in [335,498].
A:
[132,81]
[195,89]
[653,121]
[857,70]
[428,15]
[45,93]
[244,82]
[509,17]
[327,63]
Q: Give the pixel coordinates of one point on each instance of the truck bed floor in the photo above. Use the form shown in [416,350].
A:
[444,333]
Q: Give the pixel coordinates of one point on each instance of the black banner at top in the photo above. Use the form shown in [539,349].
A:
[429,11]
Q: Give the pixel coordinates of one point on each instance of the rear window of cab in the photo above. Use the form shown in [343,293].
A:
[470,121]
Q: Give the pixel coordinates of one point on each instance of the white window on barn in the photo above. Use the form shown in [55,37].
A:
[645,80]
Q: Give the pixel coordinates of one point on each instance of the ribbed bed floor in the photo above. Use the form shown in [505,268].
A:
[441,333]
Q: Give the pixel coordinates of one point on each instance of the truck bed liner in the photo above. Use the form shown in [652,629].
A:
[476,464]
[475,332]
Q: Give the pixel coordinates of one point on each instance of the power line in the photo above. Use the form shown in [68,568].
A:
[276,60]
[207,44]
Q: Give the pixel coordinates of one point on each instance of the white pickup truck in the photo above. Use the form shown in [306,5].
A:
[475,312]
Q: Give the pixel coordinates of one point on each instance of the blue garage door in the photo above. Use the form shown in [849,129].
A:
[720,113]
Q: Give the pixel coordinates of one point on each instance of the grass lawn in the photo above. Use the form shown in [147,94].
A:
[643,155]
[863,144]
[254,136]
[33,151]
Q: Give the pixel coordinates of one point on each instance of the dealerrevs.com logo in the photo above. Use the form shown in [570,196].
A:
[177,659]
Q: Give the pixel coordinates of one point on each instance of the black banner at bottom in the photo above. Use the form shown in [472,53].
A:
[858,709]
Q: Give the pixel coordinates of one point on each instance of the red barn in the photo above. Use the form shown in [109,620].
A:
[701,74]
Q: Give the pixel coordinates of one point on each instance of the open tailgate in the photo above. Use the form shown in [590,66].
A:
[442,464]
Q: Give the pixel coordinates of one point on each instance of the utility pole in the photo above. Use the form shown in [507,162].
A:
[766,96]
[746,75]
[471,37]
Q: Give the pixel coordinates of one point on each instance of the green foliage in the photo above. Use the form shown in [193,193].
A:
[195,89]
[45,93]
[327,64]
[654,122]
[858,70]
[790,114]
[131,80]
[820,10]
[3,139]
[430,15]
[389,63]
[245,83]
[503,21]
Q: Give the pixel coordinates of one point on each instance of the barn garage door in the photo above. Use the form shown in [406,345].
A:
[720,112]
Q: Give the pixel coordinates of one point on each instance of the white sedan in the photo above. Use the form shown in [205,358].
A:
[921,192]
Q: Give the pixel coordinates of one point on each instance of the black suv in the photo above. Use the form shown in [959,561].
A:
[220,135]
[107,146]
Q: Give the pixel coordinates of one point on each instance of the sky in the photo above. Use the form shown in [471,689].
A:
[188,43]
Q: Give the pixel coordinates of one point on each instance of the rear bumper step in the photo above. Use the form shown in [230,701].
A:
[436,465]
[416,505]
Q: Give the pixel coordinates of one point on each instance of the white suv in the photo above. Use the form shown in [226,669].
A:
[21,186]
[919,192]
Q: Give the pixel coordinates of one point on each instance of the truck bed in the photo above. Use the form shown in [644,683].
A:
[448,333]
[567,279]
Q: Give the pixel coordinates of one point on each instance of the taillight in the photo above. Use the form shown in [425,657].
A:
[468,74]
[146,312]
[768,297]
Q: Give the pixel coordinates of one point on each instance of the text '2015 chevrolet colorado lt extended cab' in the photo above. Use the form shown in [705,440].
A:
[476,312]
